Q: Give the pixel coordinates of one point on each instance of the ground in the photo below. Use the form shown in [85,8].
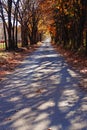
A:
[9,60]
[76,59]
[43,93]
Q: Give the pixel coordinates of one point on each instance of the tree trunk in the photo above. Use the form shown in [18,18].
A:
[24,36]
[82,22]
[16,35]
[86,42]
[10,42]
[5,36]
[4,27]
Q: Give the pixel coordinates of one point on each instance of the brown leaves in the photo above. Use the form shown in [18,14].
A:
[9,60]
[49,129]
[7,119]
[40,91]
[76,60]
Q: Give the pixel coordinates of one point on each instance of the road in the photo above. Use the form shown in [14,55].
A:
[43,93]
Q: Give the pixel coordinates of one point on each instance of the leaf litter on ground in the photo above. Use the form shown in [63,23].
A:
[77,61]
[9,60]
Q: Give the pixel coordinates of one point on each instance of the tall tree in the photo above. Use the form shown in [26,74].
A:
[8,10]
[29,16]
[4,23]
[11,45]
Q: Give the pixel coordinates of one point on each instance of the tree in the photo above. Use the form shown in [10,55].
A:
[8,10]
[29,16]
[4,24]
[69,22]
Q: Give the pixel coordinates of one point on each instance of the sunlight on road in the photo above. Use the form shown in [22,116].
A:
[47,40]
[72,73]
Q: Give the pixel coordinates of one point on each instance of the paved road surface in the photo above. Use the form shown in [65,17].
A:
[43,94]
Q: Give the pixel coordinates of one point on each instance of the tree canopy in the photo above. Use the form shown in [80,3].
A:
[66,21]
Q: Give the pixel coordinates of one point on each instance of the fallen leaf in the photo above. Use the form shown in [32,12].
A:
[7,119]
[49,129]
[39,91]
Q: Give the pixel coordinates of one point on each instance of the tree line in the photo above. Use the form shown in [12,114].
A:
[70,24]
[66,21]
[25,13]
